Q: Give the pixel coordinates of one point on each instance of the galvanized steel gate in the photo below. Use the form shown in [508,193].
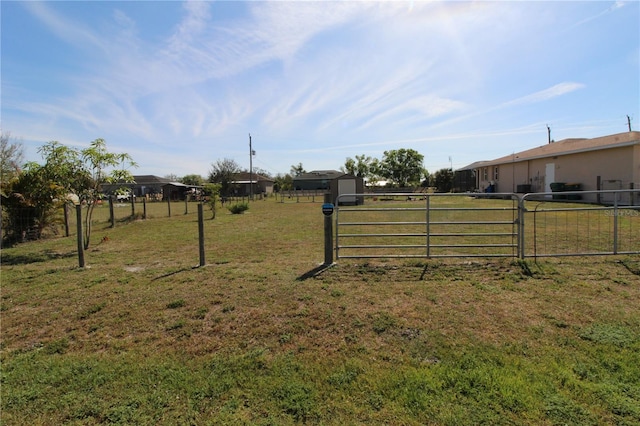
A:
[401,225]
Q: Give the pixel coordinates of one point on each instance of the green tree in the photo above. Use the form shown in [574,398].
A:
[103,167]
[34,196]
[403,167]
[194,180]
[40,190]
[426,178]
[297,170]
[443,180]
[224,172]
[212,193]
[11,156]
[283,182]
[360,167]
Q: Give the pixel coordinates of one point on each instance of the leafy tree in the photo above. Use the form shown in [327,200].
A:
[297,170]
[32,199]
[41,189]
[11,156]
[283,182]
[224,172]
[103,167]
[212,192]
[403,167]
[360,167]
[426,178]
[194,180]
[443,180]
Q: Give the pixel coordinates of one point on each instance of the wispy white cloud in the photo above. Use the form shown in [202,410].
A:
[613,7]
[72,32]
[339,75]
[555,91]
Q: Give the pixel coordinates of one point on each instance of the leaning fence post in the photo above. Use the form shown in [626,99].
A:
[201,234]
[80,239]
[169,205]
[144,208]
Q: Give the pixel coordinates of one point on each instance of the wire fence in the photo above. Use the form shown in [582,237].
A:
[557,228]
[105,213]
[426,225]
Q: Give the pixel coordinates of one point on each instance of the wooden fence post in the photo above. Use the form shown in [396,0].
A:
[111,215]
[66,219]
[80,239]
[201,233]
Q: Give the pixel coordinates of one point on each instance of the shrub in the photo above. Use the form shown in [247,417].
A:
[238,208]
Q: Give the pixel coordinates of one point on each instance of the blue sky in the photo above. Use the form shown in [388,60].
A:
[181,85]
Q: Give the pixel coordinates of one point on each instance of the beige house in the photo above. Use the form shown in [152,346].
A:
[608,162]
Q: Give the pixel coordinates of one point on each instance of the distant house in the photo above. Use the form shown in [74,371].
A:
[333,181]
[607,162]
[252,183]
[143,186]
[153,188]
[176,191]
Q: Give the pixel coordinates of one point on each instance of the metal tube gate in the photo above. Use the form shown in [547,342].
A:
[427,226]
[417,225]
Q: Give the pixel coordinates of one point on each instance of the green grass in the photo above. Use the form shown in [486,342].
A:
[143,336]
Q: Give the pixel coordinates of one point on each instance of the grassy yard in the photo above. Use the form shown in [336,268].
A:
[142,336]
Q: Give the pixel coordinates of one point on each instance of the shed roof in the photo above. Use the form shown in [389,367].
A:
[321,174]
[150,180]
[246,177]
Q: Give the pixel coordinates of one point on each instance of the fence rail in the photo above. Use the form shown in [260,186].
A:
[393,225]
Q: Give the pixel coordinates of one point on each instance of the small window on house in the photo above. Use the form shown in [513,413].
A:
[485,174]
[495,173]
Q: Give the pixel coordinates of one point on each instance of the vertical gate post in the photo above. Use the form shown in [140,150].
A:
[521,212]
[428,218]
[144,208]
[615,223]
[328,229]
[201,234]
[80,239]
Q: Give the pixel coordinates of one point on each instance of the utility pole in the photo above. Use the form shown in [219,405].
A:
[250,169]
[629,122]
[549,133]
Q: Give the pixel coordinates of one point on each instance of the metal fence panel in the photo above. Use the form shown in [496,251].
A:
[487,225]
[553,227]
[428,226]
